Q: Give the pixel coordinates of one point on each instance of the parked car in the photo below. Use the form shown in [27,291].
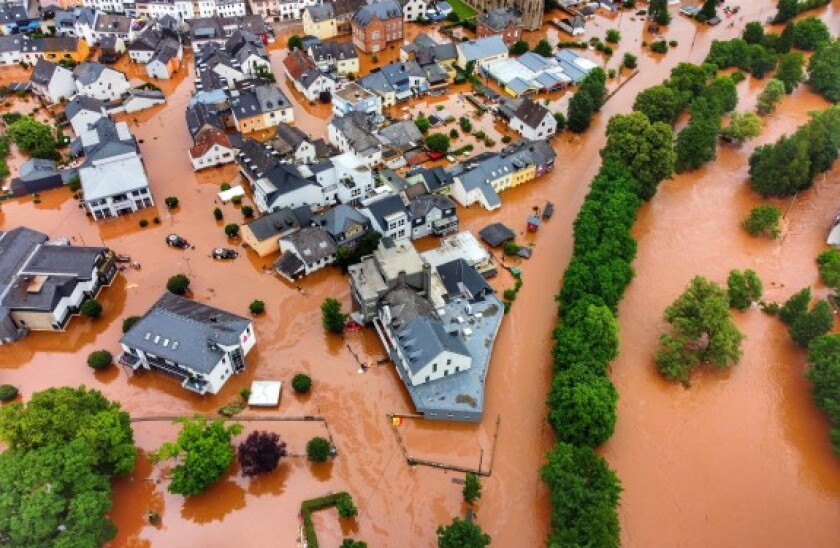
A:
[224,253]
[173,240]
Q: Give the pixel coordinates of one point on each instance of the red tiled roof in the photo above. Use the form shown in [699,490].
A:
[297,63]
[206,138]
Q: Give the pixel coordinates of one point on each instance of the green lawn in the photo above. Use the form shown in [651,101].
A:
[461,9]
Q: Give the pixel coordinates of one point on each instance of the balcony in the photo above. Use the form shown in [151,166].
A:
[195,385]
[445,225]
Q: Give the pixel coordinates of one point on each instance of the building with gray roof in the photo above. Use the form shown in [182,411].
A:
[344,223]
[304,252]
[38,175]
[42,284]
[197,343]
[263,233]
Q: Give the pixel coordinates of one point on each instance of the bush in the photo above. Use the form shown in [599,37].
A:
[824,374]
[247,212]
[472,488]
[812,324]
[630,61]
[217,214]
[510,248]
[129,322]
[345,506]
[256,307]
[171,202]
[829,266]
[224,186]
[613,36]
[318,449]
[178,284]
[8,392]
[453,133]
[294,42]
[770,97]
[660,46]
[236,200]
[91,308]
[560,118]
[763,221]
[260,453]
[156,220]
[510,294]
[437,142]
[302,383]
[422,123]
[100,359]
[519,48]
[245,393]
[332,318]
[506,139]
[795,306]
[232,230]
[744,288]
[144,223]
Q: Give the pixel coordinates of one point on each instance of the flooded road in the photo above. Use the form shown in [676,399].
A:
[742,458]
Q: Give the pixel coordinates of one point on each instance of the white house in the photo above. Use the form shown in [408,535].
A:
[52,81]
[82,112]
[100,82]
[10,47]
[293,144]
[212,148]
[529,118]
[284,186]
[481,52]
[353,133]
[306,251]
[201,345]
[344,178]
[388,216]
[413,9]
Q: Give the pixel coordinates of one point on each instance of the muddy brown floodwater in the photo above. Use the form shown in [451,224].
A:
[740,459]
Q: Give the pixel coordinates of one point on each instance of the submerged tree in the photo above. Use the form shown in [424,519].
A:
[332,317]
[260,453]
[472,488]
[462,534]
[744,288]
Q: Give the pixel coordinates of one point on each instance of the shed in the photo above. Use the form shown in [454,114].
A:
[265,393]
[227,195]
[496,234]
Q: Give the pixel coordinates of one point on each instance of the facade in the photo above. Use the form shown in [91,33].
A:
[432,214]
[53,49]
[500,22]
[52,82]
[320,21]
[344,178]
[201,345]
[261,107]
[528,118]
[83,111]
[212,148]
[389,217]
[354,133]
[42,284]
[304,252]
[335,57]
[531,10]
[414,9]
[165,62]
[376,25]
[344,223]
[97,81]
[293,145]
[354,98]
[307,78]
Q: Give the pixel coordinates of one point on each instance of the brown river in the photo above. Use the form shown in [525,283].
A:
[740,459]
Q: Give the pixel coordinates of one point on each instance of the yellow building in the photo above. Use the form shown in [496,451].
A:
[56,49]
[263,234]
[528,173]
[319,20]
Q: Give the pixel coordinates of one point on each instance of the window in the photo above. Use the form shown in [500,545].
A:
[449,362]
[427,379]
[434,368]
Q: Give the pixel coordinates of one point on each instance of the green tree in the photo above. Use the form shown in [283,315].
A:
[560,118]
[352,543]
[613,36]
[178,284]
[696,143]
[785,41]
[257,306]
[829,267]
[824,71]
[232,230]
[721,95]
[659,103]
[630,61]
[544,48]
[332,317]
[787,10]
[422,123]
[318,449]
[594,83]
[466,125]
[129,322]
[518,48]
[781,169]
[589,333]
[217,214]
[743,288]
[33,138]
[472,488]
[584,496]
[301,383]
[795,306]
[709,9]
[91,308]
[461,534]
[345,506]
[171,202]
[689,80]
[54,496]
[100,359]
[57,416]
[645,148]
[438,142]
[812,324]
[763,221]
[770,97]
[810,33]
[742,127]
[761,60]
[295,42]
[824,374]
[582,406]
[753,33]
[702,332]
[581,110]
[790,71]
[658,11]
[204,453]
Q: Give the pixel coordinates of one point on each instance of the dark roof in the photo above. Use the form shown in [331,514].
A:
[433,178]
[333,51]
[385,207]
[378,9]
[112,22]
[282,220]
[286,178]
[462,280]
[500,19]
[344,8]
[313,244]
[289,265]
[496,234]
[200,115]
[288,138]
[43,72]
[36,175]
[531,112]
[339,219]
[187,332]
[422,205]
[256,159]
[15,247]
[258,100]
[88,73]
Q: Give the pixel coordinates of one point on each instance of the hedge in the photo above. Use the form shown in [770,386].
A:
[313,505]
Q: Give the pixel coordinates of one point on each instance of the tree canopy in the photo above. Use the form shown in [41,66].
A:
[770,97]
[203,451]
[743,126]
[811,324]
[810,33]
[702,332]
[582,406]
[790,71]
[332,316]
[659,103]
[462,534]
[658,11]
[824,71]
[543,48]
[438,142]
[260,453]
[829,267]
[824,373]
[472,488]
[763,220]
[33,138]
[795,306]
[744,288]
[589,333]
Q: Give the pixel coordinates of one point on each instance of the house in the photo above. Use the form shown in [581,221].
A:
[201,345]
[100,82]
[344,223]
[389,216]
[37,175]
[293,144]
[53,49]
[335,57]
[114,25]
[52,82]
[377,24]
[573,25]
[16,20]
[397,82]
[354,133]
[10,47]
[465,246]
[306,251]
[85,21]
[200,115]
[212,148]
[249,51]
[344,178]
[529,73]
[261,107]
[263,234]
[43,284]
[482,52]
[320,20]
[153,37]
[500,22]
[401,137]
[436,180]
[414,9]
[83,111]
[528,118]
[216,68]
[354,98]
[283,186]
[279,10]
[165,61]
[111,49]
[255,160]
[307,77]
[432,214]
[139,99]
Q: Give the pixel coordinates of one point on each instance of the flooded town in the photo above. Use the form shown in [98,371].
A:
[419,273]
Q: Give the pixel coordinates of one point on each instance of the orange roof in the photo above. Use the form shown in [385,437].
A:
[206,138]
[297,63]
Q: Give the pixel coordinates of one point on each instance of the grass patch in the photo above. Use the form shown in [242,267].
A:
[461,9]
[313,505]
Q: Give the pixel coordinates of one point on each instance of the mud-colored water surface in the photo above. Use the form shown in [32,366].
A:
[740,459]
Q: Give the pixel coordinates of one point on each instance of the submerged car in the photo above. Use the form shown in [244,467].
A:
[173,240]
[224,253]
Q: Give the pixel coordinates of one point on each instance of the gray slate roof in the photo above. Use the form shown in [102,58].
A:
[313,244]
[340,218]
[378,9]
[88,73]
[191,331]
[462,280]
[500,19]
[43,72]
[277,222]
[489,46]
